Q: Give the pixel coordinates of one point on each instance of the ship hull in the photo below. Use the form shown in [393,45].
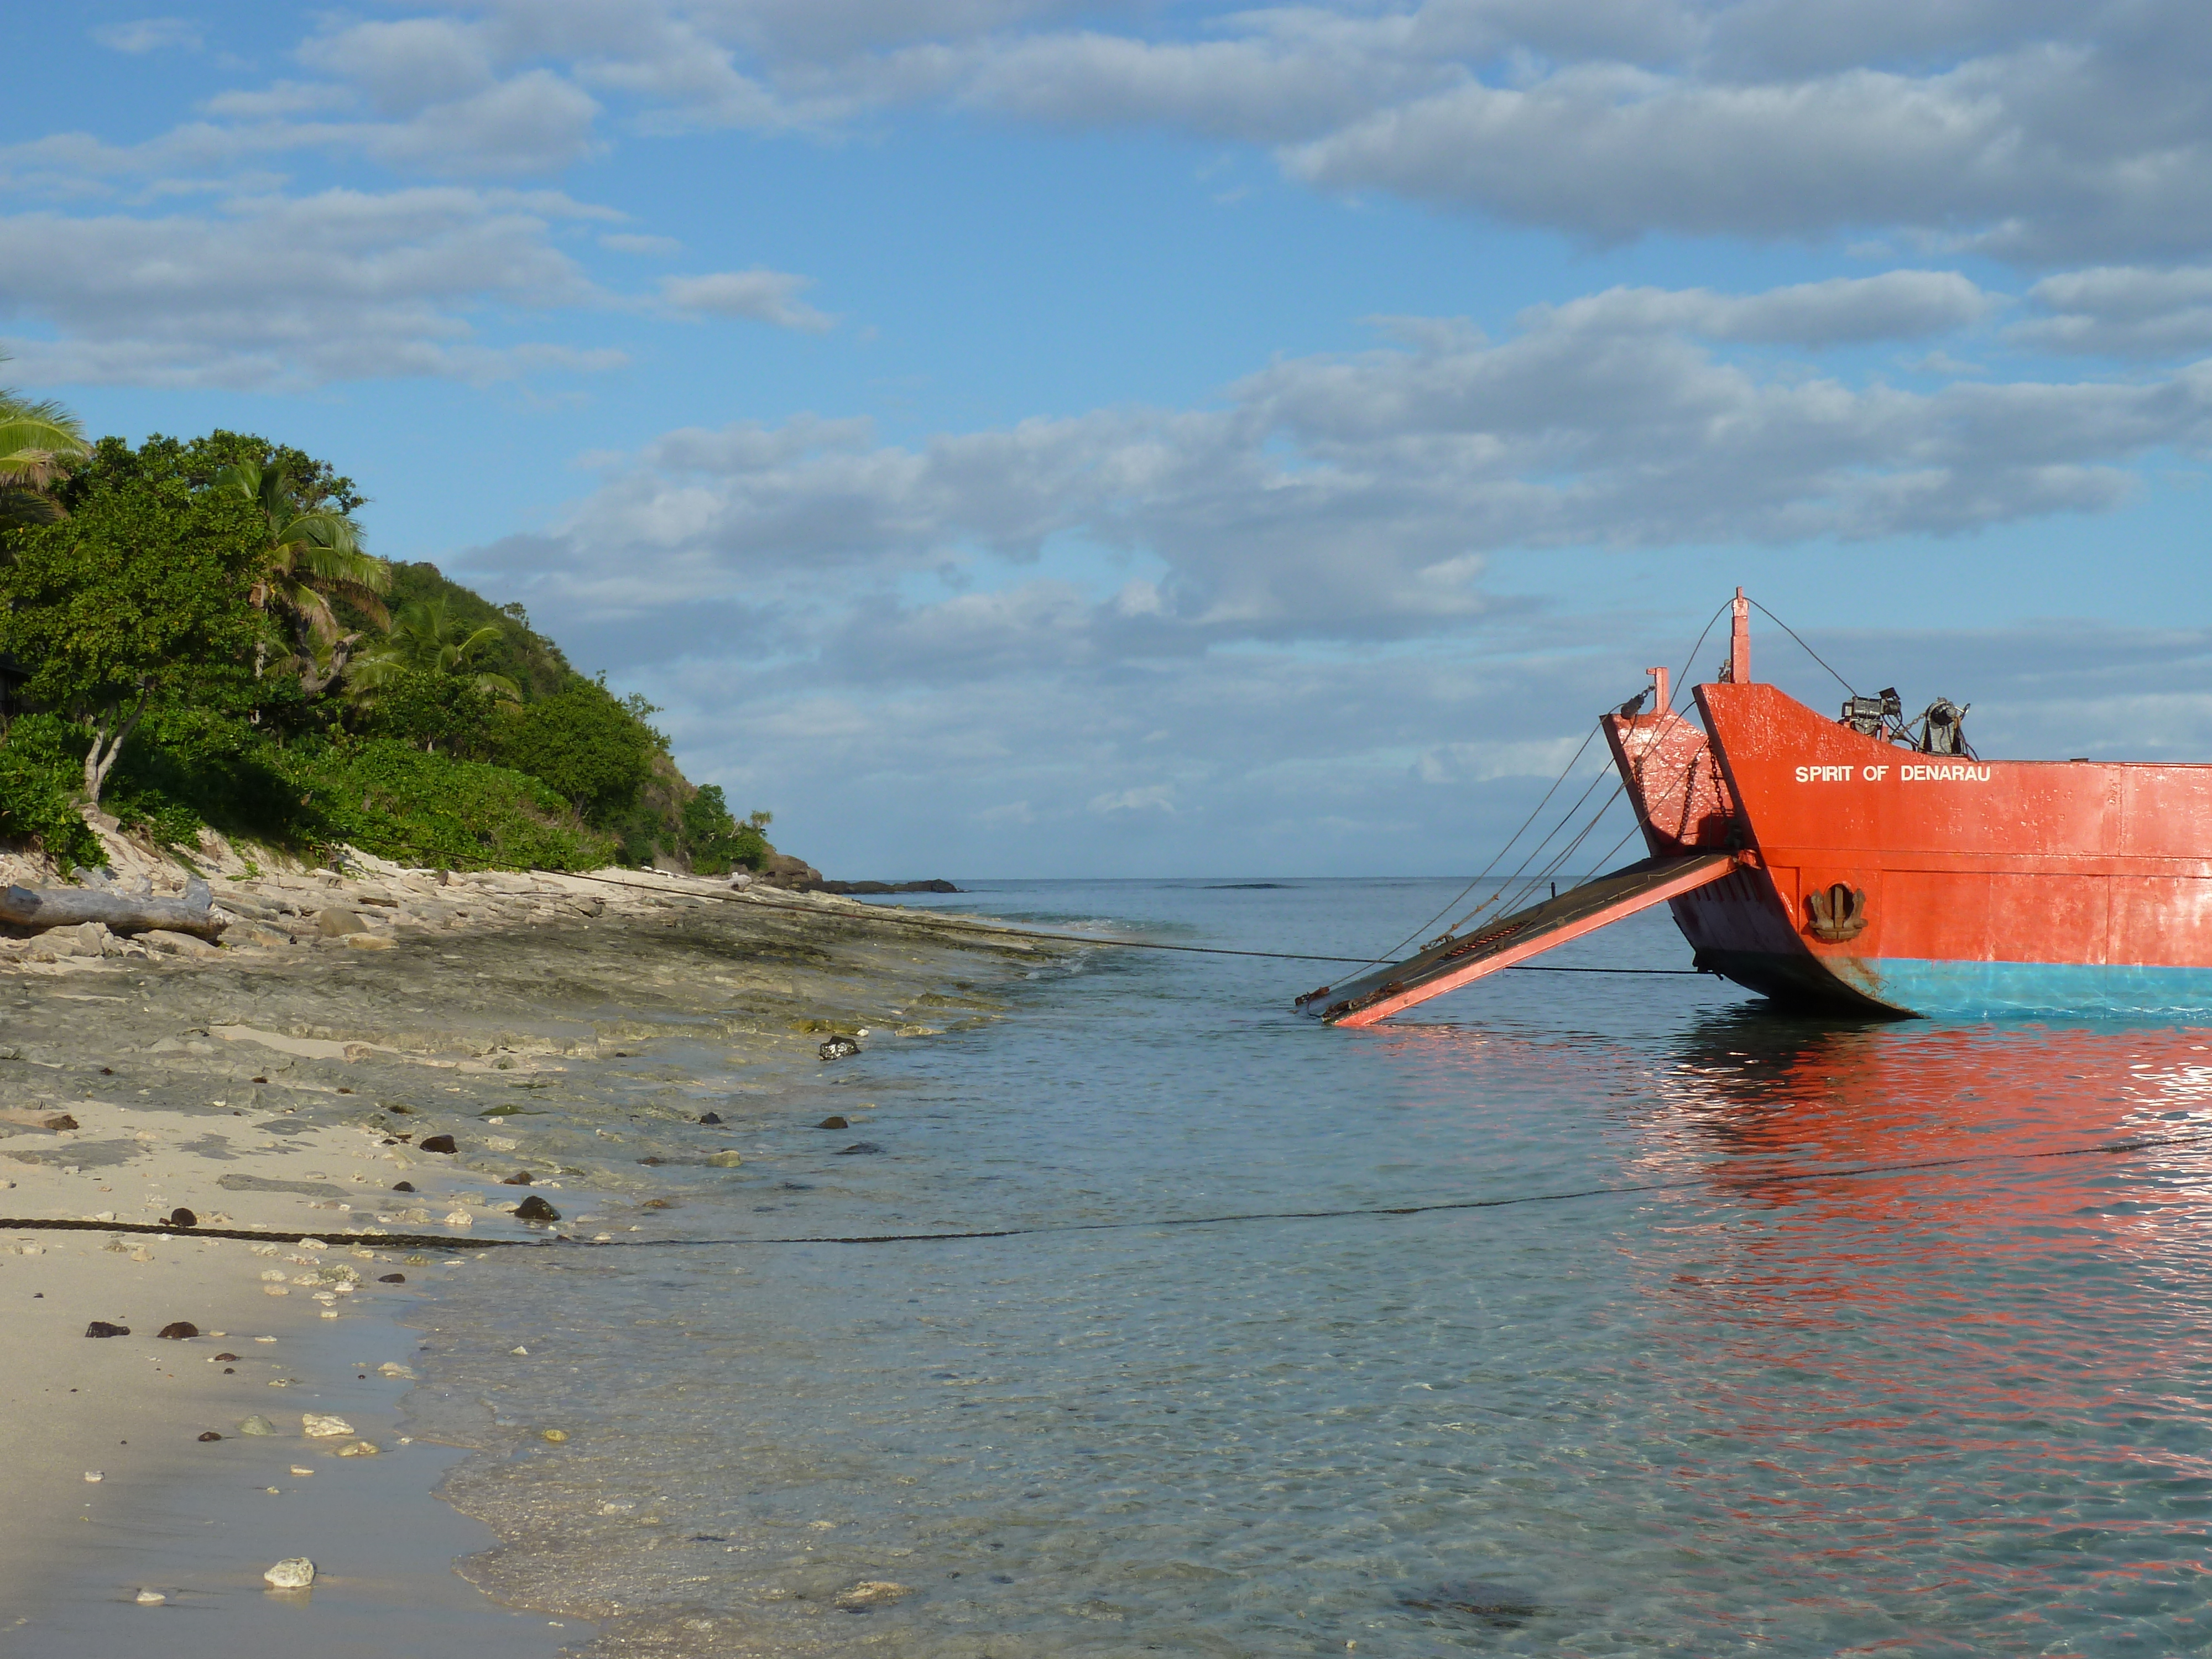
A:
[1880,879]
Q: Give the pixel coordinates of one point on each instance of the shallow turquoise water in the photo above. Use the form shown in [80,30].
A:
[1761,1405]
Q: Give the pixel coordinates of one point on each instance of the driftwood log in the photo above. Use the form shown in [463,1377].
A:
[122,913]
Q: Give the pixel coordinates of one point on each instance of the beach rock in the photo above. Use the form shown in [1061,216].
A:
[520,1178]
[94,1477]
[256,1424]
[838,1047]
[359,1449]
[391,1279]
[337,924]
[297,1572]
[209,1434]
[710,1117]
[724,1160]
[178,1330]
[149,1598]
[181,1216]
[535,1208]
[321,1427]
[394,1368]
[222,1358]
[38,1118]
[368,942]
[436,1144]
[174,943]
[833,1122]
[871,1593]
[402,1186]
[858,1148]
[101,1327]
[554,1436]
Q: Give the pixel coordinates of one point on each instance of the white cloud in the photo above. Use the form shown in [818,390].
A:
[1339,498]
[763,295]
[1149,798]
[2038,133]
[147,34]
[1898,305]
[2125,312]
[407,66]
[286,292]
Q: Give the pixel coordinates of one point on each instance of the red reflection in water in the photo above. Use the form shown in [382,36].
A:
[1970,1372]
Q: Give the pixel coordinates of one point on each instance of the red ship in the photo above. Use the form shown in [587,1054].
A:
[1854,865]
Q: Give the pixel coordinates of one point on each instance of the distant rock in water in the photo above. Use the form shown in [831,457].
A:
[864,888]
[838,1047]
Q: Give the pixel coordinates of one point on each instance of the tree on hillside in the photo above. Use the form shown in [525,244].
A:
[38,441]
[312,555]
[589,745]
[425,638]
[142,589]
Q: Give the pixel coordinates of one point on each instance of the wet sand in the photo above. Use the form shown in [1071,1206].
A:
[286,1083]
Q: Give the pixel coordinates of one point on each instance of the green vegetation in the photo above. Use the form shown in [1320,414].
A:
[196,635]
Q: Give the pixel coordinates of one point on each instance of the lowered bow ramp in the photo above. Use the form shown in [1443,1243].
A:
[1509,939]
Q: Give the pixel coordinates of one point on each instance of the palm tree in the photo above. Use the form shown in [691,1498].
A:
[314,555]
[425,638]
[38,443]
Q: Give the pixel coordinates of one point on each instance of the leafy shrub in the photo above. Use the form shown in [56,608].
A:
[594,750]
[390,799]
[437,712]
[41,778]
[715,840]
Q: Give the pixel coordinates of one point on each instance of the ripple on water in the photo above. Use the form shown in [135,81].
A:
[1786,1397]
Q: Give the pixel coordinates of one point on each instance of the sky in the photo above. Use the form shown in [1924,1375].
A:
[1014,438]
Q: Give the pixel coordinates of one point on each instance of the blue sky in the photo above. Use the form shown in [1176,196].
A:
[1016,438]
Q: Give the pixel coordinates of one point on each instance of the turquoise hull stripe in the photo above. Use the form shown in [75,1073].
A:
[1999,990]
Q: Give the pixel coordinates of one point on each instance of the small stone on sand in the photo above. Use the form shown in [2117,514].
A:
[101,1327]
[535,1208]
[724,1160]
[437,1144]
[295,1573]
[149,1598]
[318,1424]
[256,1424]
[209,1434]
[391,1279]
[556,1435]
[178,1330]
[94,1476]
[358,1449]
[301,1468]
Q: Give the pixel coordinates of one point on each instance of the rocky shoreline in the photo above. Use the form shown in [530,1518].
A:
[370,1053]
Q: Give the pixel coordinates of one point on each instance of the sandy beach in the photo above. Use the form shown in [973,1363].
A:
[303,1080]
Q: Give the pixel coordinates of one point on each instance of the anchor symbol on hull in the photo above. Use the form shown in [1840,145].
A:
[1839,912]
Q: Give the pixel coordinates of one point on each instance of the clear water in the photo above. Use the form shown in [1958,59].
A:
[1759,1406]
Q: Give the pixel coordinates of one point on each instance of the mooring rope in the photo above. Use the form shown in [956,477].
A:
[1730,1183]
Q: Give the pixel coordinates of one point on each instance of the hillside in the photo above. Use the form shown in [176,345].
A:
[197,638]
